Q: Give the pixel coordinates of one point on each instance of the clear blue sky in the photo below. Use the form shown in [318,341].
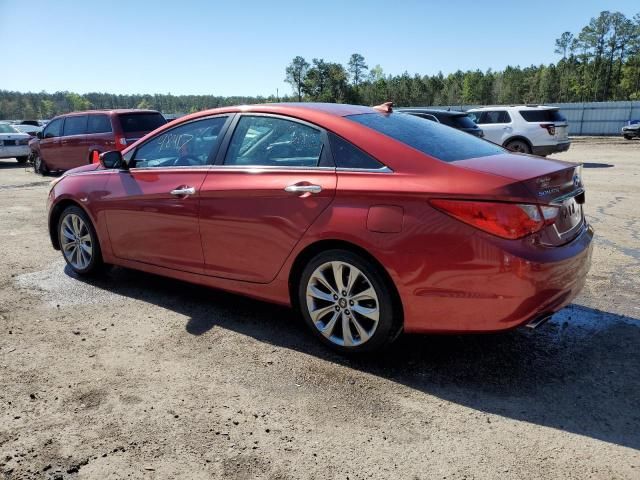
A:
[243,47]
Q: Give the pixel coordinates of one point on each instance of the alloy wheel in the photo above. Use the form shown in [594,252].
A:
[342,303]
[76,242]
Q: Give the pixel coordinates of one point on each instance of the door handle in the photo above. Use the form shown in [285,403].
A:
[303,189]
[183,191]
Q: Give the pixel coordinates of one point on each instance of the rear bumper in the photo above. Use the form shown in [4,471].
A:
[503,290]
[544,150]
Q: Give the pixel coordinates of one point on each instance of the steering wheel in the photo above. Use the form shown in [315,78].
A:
[187,161]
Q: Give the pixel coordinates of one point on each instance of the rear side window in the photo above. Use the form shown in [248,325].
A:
[542,115]
[439,141]
[347,155]
[275,142]
[75,125]
[141,122]
[99,123]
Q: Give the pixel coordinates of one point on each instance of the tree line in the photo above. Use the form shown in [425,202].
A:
[601,62]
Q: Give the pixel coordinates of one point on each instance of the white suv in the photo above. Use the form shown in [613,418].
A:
[526,129]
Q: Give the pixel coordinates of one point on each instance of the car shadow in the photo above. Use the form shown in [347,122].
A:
[11,164]
[597,165]
[552,376]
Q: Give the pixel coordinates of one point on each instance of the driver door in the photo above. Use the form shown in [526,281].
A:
[152,208]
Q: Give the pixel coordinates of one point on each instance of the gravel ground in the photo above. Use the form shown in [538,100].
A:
[136,376]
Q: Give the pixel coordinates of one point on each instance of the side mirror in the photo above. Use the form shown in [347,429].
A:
[39,134]
[112,159]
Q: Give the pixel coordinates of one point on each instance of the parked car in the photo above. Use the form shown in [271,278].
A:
[29,129]
[13,144]
[539,130]
[451,118]
[370,222]
[631,130]
[75,139]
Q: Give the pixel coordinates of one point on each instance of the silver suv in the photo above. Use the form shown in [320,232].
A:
[535,129]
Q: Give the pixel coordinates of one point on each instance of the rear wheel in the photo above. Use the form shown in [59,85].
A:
[22,159]
[347,302]
[628,137]
[518,146]
[78,241]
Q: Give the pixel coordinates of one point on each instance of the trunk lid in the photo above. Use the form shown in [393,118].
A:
[551,183]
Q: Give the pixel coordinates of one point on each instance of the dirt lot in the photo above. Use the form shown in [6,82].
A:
[137,376]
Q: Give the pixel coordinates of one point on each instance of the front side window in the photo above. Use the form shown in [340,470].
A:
[191,144]
[99,123]
[75,125]
[271,141]
[53,129]
[436,140]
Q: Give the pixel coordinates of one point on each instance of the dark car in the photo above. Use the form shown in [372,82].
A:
[450,118]
[77,138]
[369,222]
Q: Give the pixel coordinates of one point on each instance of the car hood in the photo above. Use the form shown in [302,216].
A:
[84,168]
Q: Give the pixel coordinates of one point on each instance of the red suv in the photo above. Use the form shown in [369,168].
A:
[76,139]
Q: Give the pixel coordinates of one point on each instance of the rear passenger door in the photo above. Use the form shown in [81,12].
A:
[276,178]
[73,144]
[496,124]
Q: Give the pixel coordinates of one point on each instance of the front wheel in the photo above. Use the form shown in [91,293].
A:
[518,146]
[39,166]
[78,241]
[348,303]
[628,137]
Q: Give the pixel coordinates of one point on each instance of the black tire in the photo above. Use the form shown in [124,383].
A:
[39,166]
[628,137]
[389,322]
[518,146]
[95,263]
[22,159]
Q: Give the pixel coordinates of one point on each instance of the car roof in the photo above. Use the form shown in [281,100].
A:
[436,111]
[114,111]
[513,107]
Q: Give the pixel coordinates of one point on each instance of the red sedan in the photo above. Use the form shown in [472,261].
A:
[368,221]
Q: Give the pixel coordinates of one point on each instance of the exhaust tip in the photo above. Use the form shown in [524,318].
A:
[539,320]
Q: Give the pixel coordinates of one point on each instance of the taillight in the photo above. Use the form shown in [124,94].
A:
[95,157]
[551,128]
[121,142]
[506,220]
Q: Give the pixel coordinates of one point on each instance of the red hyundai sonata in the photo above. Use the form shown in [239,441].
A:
[368,221]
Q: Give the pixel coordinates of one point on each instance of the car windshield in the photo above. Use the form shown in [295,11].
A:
[6,128]
[543,115]
[141,122]
[434,139]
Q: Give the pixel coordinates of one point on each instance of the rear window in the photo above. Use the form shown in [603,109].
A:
[434,139]
[543,115]
[461,121]
[141,122]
